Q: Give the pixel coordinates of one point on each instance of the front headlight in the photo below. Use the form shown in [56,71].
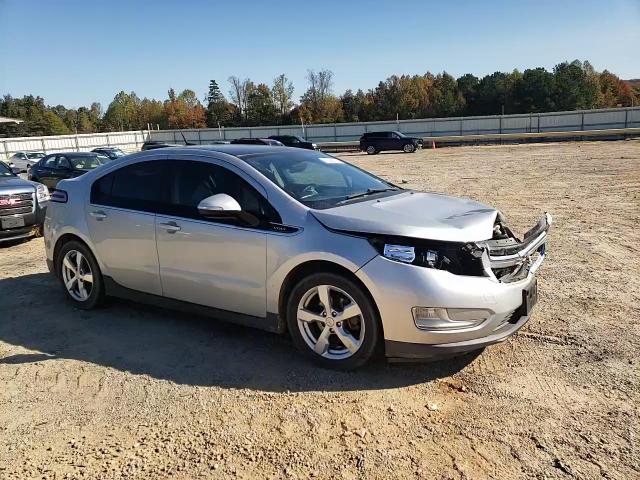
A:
[454,257]
[42,193]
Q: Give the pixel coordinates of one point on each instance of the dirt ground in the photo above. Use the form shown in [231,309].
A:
[130,391]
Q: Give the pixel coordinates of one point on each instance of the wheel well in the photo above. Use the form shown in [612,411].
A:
[318,266]
[66,238]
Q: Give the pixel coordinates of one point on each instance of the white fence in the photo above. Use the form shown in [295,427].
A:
[583,120]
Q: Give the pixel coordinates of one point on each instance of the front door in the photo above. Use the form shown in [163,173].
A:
[45,171]
[121,218]
[220,264]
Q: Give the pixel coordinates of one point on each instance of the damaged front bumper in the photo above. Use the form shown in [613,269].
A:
[509,259]
[506,292]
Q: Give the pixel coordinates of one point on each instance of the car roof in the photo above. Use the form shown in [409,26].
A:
[74,154]
[237,149]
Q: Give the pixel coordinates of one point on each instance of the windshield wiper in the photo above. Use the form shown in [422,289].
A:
[369,191]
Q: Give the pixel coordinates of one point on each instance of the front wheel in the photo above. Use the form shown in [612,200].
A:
[332,321]
[409,148]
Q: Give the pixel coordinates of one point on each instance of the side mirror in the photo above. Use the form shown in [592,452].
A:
[219,206]
[225,207]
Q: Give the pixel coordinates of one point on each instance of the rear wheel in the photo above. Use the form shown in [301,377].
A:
[332,321]
[371,150]
[409,148]
[80,275]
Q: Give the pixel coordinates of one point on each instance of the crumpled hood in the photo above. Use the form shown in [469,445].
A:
[415,214]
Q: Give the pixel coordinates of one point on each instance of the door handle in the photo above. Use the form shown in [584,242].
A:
[170,227]
[99,215]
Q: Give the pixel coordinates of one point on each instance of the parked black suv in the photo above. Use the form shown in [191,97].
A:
[294,141]
[374,142]
[22,206]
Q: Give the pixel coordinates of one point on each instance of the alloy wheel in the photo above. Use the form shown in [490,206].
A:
[77,275]
[330,322]
[409,148]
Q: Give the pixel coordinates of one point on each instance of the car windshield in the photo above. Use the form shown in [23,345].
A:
[5,171]
[34,156]
[317,180]
[87,162]
[401,135]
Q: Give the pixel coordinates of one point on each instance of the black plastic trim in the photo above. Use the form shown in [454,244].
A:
[269,323]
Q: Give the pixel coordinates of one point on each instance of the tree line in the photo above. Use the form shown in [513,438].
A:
[569,86]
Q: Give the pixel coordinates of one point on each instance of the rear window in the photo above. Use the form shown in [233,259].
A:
[141,186]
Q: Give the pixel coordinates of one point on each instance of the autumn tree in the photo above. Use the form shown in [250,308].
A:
[282,93]
[319,104]
[184,110]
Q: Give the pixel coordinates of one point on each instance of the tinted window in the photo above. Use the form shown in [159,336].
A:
[63,162]
[48,162]
[192,182]
[141,186]
[88,162]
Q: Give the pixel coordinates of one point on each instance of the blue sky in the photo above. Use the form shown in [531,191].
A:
[76,51]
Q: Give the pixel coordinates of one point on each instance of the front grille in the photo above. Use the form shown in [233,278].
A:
[16,203]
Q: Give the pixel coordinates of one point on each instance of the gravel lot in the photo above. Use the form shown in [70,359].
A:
[130,391]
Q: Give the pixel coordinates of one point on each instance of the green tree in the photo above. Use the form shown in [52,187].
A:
[261,109]
[576,86]
[219,111]
[536,91]
[123,112]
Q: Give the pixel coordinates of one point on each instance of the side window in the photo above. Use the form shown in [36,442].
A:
[49,162]
[141,186]
[193,181]
[63,162]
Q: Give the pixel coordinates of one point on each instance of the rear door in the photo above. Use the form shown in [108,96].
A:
[384,140]
[121,218]
[217,263]
[395,142]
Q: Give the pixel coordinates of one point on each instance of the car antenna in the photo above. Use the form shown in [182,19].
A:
[185,140]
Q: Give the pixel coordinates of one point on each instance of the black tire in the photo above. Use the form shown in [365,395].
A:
[96,297]
[372,331]
[409,148]
[371,150]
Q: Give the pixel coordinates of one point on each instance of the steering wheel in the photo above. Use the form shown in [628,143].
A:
[309,191]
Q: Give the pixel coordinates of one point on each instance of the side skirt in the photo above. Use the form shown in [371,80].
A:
[271,323]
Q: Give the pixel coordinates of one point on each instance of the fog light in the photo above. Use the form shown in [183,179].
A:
[431,318]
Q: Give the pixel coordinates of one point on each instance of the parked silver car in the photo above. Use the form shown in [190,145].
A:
[295,240]
[25,160]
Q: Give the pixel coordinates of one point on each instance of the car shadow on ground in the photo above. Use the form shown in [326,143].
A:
[178,347]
